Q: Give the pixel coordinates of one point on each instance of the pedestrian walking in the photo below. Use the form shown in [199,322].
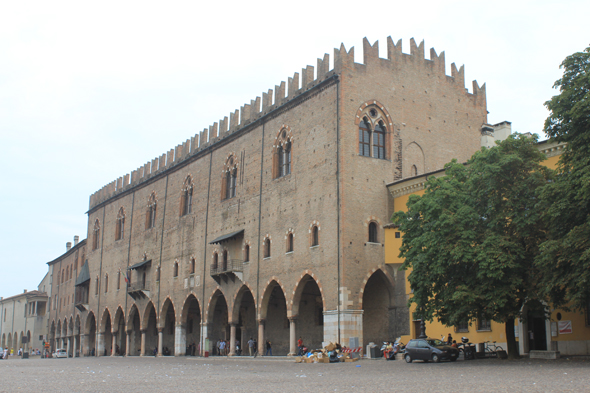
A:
[251,344]
[268,348]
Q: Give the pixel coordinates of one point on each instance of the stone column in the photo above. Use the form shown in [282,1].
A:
[244,343]
[100,344]
[68,345]
[75,347]
[204,339]
[160,341]
[83,345]
[292,337]
[261,340]
[179,340]
[232,339]
[113,343]
[128,343]
[142,351]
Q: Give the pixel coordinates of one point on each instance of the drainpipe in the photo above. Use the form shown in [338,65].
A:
[128,259]
[161,247]
[202,339]
[338,200]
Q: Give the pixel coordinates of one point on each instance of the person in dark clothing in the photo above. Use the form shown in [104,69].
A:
[268,348]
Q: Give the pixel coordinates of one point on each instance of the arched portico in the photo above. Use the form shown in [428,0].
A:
[217,319]
[133,344]
[90,335]
[105,335]
[378,310]
[169,339]
[307,314]
[191,320]
[119,333]
[273,314]
[149,330]
[243,324]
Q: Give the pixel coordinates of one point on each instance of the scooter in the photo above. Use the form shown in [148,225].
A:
[467,348]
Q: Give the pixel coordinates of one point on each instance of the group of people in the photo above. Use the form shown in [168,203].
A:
[223,347]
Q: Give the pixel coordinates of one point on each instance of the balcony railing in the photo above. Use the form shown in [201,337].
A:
[138,290]
[232,266]
[138,286]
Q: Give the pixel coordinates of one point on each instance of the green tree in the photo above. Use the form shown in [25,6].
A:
[565,256]
[471,239]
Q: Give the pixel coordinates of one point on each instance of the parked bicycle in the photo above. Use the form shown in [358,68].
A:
[492,349]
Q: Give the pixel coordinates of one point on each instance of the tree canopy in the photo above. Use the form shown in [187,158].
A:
[471,239]
[565,256]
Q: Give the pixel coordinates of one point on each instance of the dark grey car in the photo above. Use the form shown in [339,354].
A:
[430,349]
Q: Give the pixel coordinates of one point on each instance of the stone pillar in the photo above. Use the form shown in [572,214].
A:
[232,339]
[114,343]
[180,340]
[100,344]
[142,351]
[160,341]
[128,343]
[244,343]
[204,339]
[292,337]
[83,345]
[68,345]
[261,340]
[75,347]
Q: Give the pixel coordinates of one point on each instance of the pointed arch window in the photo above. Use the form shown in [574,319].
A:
[186,202]
[106,283]
[282,153]
[247,253]
[95,234]
[120,228]
[373,131]
[175,269]
[373,232]
[150,214]
[315,236]
[290,242]
[267,247]
[414,171]
[192,266]
[158,273]
[230,178]
[364,138]
[118,280]
[379,141]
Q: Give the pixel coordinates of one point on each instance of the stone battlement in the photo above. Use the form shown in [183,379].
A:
[309,78]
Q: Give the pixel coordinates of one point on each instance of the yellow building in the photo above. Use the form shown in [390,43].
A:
[566,332]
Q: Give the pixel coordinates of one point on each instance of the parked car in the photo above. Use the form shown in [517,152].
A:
[60,353]
[429,349]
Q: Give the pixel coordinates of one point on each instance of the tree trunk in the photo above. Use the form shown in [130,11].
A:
[511,339]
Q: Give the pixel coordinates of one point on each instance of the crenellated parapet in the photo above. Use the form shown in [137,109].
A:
[284,93]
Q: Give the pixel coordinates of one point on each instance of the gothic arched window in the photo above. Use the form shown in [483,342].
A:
[120,228]
[95,234]
[186,201]
[150,213]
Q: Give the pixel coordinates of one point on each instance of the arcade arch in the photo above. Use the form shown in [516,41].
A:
[273,311]
[308,311]
[190,320]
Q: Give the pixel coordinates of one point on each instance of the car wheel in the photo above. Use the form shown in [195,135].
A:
[408,358]
[435,358]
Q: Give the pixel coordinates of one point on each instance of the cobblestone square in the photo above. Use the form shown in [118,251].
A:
[184,374]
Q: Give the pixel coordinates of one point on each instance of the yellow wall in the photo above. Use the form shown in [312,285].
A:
[580,331]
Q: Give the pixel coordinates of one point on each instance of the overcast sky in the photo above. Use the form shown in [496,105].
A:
[90,91]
